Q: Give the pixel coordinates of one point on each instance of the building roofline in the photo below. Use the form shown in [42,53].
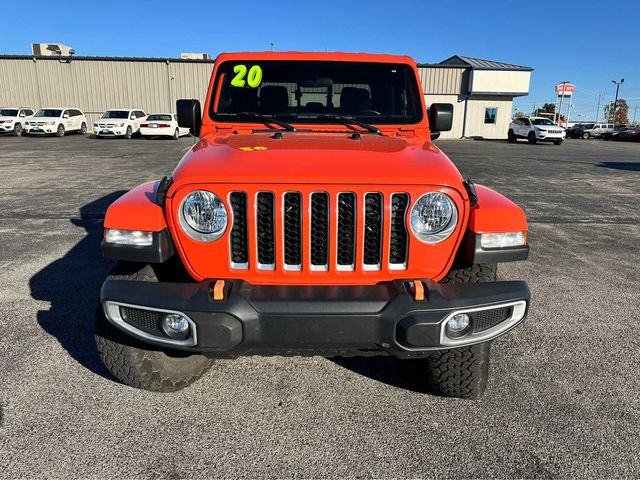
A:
[104,59]
[481,64]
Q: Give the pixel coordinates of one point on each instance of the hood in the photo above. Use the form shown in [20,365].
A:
[316,158]
[44,119]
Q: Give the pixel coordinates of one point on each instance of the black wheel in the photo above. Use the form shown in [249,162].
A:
[176,135]
[17,130]
[459,372]
[557,142]
[511,137]
[83,129]
[462,372]
[586,135]
[531,138]
[140,365]
[60,131]
[473,274]
[129,133]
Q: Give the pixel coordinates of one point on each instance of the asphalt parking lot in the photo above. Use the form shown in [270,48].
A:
[563,398]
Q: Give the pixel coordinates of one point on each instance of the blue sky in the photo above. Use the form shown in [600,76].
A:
[586,42]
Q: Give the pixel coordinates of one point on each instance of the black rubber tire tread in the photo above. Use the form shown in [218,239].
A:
[17,130]
[129,133]
[511,137]
[141,365]
[60,131]
[557,142]
[474,274]
[531,138]
[459,372]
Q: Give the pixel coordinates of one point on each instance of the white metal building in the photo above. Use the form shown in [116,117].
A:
[481,91]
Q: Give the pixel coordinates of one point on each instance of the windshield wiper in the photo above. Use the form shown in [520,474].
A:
[345,120]
[268,120]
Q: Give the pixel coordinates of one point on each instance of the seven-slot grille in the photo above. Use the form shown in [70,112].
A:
[310,214]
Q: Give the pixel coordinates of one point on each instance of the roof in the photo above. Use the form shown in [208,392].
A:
[479,64]
[320,56]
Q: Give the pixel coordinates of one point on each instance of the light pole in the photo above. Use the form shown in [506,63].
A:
[599,96]
[615,102]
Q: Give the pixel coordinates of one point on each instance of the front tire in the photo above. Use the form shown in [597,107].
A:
[17,130]
[176,135]
[462,372]
[141,365]
[83,129]
[60,131]
[511,137]
[586,135]
[557,142]
[531,138]
[129,133]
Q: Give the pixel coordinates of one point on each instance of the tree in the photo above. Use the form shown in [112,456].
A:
[518,115]
[622,112]
[547,110]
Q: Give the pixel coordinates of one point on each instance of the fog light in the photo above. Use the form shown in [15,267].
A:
[176,326]
[458,325]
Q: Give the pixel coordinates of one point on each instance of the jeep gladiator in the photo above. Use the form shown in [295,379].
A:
[314,216]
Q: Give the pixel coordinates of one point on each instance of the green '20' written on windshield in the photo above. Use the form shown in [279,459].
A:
[251,77]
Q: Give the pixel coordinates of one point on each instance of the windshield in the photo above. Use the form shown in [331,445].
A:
[8,112]
[300,91]
[588,125]
[48,113]
[541,121]
[164,118]
[115,114]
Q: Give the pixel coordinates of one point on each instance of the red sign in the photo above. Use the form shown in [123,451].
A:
[565,89]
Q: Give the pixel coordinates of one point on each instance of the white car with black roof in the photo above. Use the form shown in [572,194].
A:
[536,129]
[162,125]
[57,121]
[119,122]
[12,120]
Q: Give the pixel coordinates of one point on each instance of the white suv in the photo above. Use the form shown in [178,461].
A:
[536,129]
[56,121]
[597,130]
[12,120]
[119,123]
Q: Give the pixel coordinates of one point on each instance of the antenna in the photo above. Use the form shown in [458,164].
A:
[273,47]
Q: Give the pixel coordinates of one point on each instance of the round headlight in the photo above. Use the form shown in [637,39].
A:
[203,216]
[433,217]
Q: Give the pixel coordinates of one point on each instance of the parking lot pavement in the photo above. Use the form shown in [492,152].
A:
[563,398]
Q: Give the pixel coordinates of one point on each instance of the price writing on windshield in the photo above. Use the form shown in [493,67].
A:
[251,77]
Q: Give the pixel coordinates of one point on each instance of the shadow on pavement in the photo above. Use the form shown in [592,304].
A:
[631,166]
[405,374]
[72,285]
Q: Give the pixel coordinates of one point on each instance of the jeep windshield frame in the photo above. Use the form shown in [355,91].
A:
[312,92]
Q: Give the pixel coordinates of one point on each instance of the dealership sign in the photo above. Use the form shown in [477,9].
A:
[565,89]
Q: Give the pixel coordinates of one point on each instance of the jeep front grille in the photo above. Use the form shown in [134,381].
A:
[302,236]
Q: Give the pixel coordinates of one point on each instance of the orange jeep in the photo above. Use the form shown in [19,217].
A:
[314,217]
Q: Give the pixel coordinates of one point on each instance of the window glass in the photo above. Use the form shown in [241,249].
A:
[542,121]
[8,112]
[300,91]
[490,115]
[159,116]
[117,114]
[47,112]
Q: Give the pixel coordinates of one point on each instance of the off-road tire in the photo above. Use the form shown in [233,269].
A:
[17,130]
[459,372]
[586,135]
[129,133]
[531,138]
[473,274]
[60,131]
[462,372]
[511,137]
[557,142]
[141,365]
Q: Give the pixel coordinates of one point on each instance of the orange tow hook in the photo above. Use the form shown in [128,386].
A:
[217,292]
[418,290]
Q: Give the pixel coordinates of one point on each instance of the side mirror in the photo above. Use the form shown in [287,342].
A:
[132,117]
[440,118]
[189,115]
[66,115]
[22,114]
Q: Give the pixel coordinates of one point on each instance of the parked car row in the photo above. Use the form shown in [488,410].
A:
[112,123]
[606,131]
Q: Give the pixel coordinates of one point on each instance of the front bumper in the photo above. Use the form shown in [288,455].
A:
[40,130]
[314,320]
[109,132]
[7,127]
